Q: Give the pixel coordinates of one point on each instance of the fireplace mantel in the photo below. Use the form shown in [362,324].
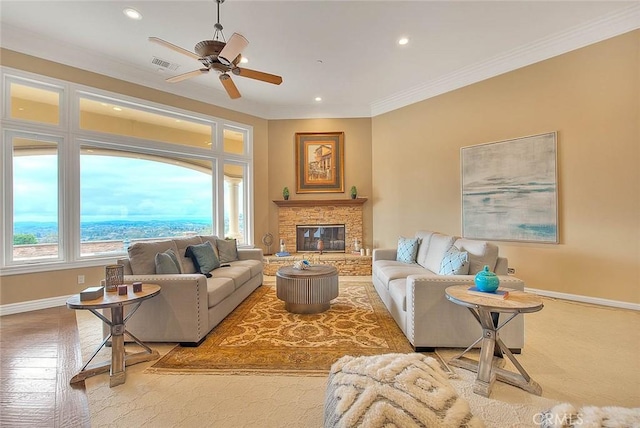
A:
[319,202]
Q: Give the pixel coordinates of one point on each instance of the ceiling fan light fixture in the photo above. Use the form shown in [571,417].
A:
[232,49]
[132,13]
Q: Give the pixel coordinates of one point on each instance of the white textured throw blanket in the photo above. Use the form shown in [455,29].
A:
[393,390]
[566,415]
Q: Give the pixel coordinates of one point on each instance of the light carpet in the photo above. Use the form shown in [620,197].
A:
[261,337]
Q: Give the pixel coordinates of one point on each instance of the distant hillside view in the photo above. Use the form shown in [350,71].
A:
[121,230]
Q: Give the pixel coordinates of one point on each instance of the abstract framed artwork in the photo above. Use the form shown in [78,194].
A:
[510,190]
[319,162]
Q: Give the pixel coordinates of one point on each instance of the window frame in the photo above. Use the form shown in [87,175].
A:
[69,166]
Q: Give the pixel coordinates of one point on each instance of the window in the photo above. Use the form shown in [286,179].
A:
[78,190]
[35,197]
[33,101]
[127,196]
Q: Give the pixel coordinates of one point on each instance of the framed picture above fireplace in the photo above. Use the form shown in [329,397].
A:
[319,162]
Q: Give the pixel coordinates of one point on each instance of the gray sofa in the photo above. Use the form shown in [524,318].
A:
[414,293]
[189,305]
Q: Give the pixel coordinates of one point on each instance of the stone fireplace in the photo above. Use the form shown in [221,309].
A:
[306,217]
[331,235]
[313,213]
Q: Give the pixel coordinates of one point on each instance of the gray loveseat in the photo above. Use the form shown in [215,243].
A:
[414,293]
[189,305]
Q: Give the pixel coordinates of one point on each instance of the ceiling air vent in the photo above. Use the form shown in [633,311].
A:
[164,64]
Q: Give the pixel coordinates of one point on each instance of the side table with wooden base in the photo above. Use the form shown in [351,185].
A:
[482,309]
[119,358]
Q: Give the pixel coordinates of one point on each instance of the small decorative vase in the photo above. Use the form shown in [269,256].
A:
[321,246]
[486,280]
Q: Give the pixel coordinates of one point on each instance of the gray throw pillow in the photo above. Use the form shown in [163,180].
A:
[167,263]
[227,250]
[203,257]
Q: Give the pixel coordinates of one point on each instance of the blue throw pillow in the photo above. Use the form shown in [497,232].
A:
[407,249]
[203,257]
[454,262]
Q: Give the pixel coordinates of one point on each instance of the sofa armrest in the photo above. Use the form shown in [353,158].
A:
[178,314]
[384,254]
[427,307]
[250,254]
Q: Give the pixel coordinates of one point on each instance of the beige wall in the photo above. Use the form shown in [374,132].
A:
[357,164]
[20,288]
[591,98]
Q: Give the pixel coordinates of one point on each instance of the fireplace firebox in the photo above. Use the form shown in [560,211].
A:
[332,236]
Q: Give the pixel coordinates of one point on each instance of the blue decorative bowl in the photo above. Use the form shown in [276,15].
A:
[486,280]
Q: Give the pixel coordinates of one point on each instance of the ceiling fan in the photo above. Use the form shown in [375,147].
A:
[219,55]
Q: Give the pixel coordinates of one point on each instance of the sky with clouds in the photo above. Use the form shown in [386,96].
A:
[113,188]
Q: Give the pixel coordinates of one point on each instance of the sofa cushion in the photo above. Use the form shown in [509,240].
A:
[203,257]
[186,262]
[438,246]
[481,253]
[218,289]
[398,292]
[407,249]
[425,238]
[239,274]
[455,262]
[167,263]
[255,266]
[388,270]
[142,255]
[227,250]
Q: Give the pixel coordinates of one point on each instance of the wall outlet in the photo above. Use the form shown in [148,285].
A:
[80,279]
[511,271]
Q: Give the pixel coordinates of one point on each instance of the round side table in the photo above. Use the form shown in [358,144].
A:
[482,308]
[119,358]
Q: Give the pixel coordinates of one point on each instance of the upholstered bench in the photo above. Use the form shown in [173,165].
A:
[407,390]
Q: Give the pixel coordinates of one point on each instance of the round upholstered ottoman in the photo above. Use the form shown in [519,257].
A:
[405,390]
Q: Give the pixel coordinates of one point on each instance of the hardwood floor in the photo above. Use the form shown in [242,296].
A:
[39,354]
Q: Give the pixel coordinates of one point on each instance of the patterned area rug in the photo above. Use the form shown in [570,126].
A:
[261,337]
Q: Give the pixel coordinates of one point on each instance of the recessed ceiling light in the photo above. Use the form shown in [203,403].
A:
[244,60]
[403,41]
[318,99]
[132,13]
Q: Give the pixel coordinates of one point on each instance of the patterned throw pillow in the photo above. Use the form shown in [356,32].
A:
[454,262]
[407,249]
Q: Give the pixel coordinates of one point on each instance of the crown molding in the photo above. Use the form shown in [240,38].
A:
[608,26]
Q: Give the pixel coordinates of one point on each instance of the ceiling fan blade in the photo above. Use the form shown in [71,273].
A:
[184,76]
[232,49]
[173,47]
[229,86]
[258,75]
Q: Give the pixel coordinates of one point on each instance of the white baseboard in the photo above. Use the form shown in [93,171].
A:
[585,299]
[33,305]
